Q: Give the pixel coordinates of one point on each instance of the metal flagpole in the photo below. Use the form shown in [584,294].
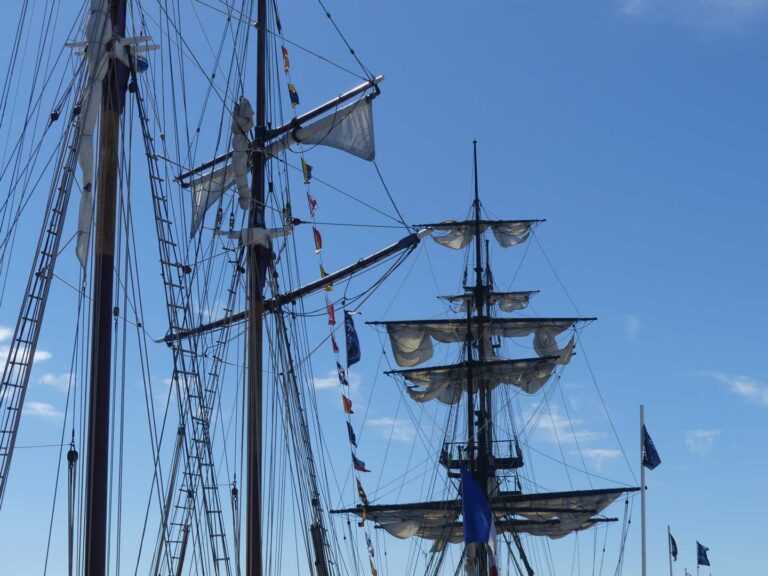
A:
[669,547]
[642,485]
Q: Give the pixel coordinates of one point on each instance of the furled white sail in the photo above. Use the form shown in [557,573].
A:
[447,383]
[554,515]
[506,301]
[97,34]
[412,341]
[349,128]
[208,188]
[457,235]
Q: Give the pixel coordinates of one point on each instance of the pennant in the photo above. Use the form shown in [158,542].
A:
[294,95]
[650,456]
[673,547]
[373,568]
[347,405]
[328,287]
[333,343]
[701,555]
[306,170]
[368,543]
[351,434]
[318,240]
[312,204]
[361,493]
[286,62]
[342,375]
[359,464]
[478,519]
[353,343]
[331,315]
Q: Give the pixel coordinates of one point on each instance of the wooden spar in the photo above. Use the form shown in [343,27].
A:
[97,460]
[269,305]
[295,123]
[258,261]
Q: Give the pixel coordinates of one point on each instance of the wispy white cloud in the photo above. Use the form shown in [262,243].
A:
[58,381]
[331,380]
[556,428]
[750,388]
[40,355]
[399,430]
[632,326]
[41,410]
[714,14]
[700,441]
[5,333]
[599,456]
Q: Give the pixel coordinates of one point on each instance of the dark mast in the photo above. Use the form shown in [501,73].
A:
[257,264]
[97,471]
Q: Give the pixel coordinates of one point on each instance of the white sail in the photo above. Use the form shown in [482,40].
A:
[506,301]
[554,515]
[447,383]
[412,341]
[349,128]
[457,235]
[97,34]
[207,189]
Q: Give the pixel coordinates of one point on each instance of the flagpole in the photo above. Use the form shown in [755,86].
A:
[669,547]
[642,487]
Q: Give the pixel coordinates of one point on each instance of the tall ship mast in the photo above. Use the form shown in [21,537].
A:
[472,382]
[192,298]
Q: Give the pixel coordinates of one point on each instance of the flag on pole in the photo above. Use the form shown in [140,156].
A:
[701,555]
[331,314]
[353,343]
[370,546]
[328,287]
[312,204]
[373,568]
[478,518]
[359,464]
[318,240]
[673,547]
[347,405]
[294,95]
[650,456]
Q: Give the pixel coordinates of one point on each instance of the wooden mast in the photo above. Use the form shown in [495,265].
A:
[97,471]
[257,264]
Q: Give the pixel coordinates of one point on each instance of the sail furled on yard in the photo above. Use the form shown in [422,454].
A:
[506,301]
[458,235]
[98,30]
[349,128]
[447,383]
[412,340]
[208,188]
[554,515]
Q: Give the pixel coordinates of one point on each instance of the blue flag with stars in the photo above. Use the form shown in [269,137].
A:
[650,456]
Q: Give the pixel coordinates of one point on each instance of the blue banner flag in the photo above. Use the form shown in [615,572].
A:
[673,547]
[701,555]
[650,456]
[353,343]
[478,519]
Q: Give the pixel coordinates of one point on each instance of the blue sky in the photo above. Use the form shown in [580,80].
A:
[637,129]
